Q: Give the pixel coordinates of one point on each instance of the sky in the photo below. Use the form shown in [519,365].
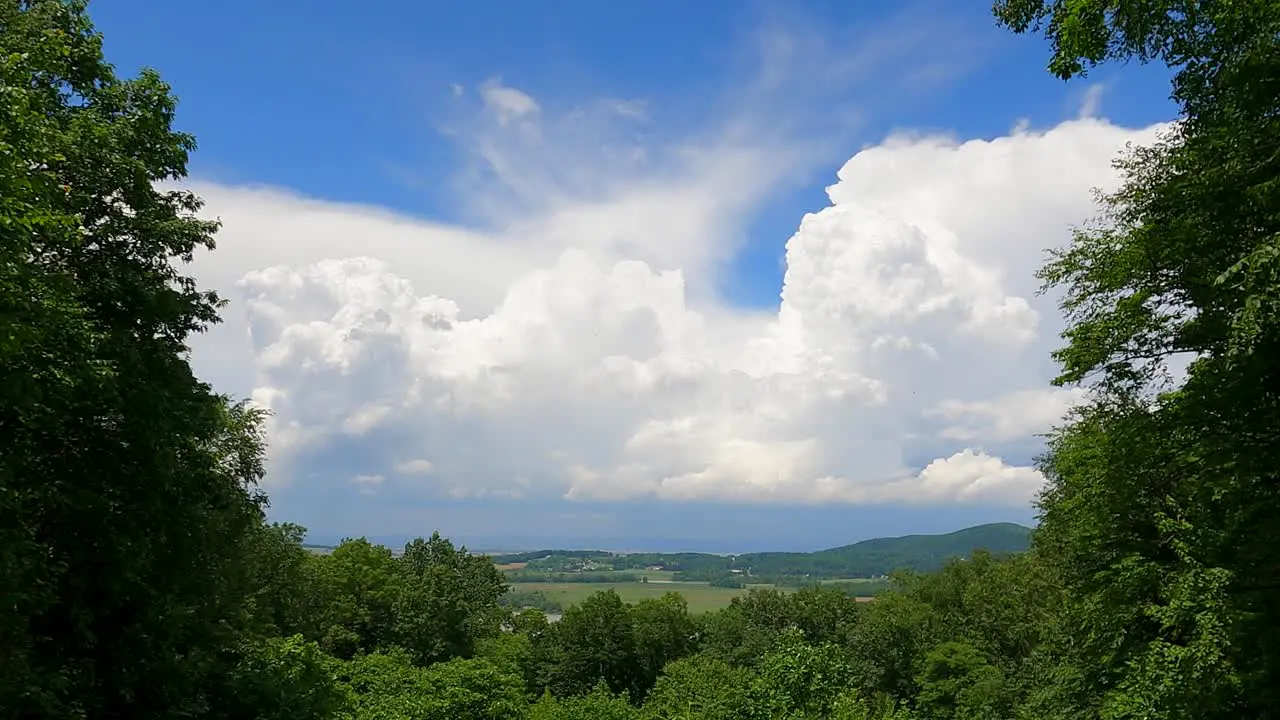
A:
[720,276]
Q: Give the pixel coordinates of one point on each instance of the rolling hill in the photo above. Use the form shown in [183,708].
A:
[869,558]
[880,556]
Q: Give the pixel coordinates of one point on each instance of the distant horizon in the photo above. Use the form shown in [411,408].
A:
[653,526]
[665,546]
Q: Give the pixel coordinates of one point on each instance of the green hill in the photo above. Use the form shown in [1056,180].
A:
[880,556]
[869,558]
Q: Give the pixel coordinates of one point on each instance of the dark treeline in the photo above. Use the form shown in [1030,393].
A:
[525,576]
[140,580]
[525,557]
[869,588]
[536,599]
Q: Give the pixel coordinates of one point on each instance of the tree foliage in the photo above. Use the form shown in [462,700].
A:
[125,483]
[1163,500]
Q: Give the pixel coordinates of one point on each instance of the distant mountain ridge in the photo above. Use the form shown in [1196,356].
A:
[880,556]
[993,537]
[868,558]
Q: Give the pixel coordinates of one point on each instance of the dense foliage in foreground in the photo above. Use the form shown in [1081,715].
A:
[138,578]
[364,633]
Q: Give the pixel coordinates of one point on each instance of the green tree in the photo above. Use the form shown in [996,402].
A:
[599,704]
[891,639]
[745,631]
[663,632]
[798,680]
[700,688]
[594,641]
[285,593]
[958,683]
[360,583]
[286,679]
[824,615]
[445,600]
[1163,508]
[545,652]
[513,652]
[388,686]
[125,483]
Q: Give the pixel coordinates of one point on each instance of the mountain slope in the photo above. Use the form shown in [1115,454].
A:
[881,556]
[869,558]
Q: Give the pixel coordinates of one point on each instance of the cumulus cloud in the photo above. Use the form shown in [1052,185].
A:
[967,476]
[1007,417]
[579,349]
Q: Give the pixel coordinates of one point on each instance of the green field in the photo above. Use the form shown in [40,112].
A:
[700,596]
[664,575]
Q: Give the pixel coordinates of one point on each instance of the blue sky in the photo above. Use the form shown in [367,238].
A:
[693,138]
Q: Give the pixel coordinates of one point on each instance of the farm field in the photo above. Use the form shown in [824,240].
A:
[701,597]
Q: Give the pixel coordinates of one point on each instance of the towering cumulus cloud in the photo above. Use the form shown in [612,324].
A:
[582,351]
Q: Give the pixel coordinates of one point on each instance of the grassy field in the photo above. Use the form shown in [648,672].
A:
[701,597]
[660,575]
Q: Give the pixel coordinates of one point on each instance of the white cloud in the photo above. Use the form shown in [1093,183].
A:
[368,483]
[415,467]
[968,476]
[507,103]
[579,348]
[1011,416]
[1091,104]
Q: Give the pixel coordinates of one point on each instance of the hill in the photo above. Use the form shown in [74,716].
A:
[880,556]
[869,558]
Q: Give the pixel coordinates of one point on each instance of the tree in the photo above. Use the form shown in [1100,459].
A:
[891,638]
[663,632]
[360,583]
[823,614]
[798,680]
[958,683]
[1163,508]
[285,595]
[445,600]
[700,687]
[745,631]
[388,686]
[285,679]
[595,641]
[545,652]
[126,492]
[599,704]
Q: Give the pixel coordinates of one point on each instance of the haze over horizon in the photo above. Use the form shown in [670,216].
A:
[515,544]
[652,277]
